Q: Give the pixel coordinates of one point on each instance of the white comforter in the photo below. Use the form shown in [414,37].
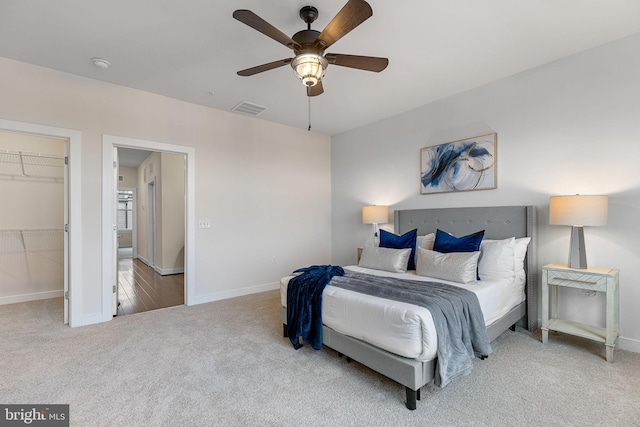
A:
[400,328]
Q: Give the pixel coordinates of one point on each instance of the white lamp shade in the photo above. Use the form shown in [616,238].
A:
[578,210]
[375,214]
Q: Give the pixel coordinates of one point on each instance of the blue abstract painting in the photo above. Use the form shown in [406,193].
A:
[463,165]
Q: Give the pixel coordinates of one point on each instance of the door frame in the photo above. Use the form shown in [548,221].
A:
[73,241]
[152,227]
[108,220]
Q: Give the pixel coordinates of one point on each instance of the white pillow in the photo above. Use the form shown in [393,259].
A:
[497,259]
[458,267]
[386,259]
[425,242]
[520,252]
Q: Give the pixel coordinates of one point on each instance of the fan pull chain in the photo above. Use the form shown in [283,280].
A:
[309,99]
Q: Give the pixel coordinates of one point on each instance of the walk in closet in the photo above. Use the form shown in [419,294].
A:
[31,217]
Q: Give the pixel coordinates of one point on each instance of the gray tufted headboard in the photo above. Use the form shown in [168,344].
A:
[499,222]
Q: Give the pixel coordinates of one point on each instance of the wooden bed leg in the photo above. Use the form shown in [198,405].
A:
[418,394]
[412,395]
[513,327]
[285,332]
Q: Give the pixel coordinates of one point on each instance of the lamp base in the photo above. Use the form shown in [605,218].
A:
[376,238]
[577,254]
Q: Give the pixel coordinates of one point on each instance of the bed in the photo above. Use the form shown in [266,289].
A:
[414,370]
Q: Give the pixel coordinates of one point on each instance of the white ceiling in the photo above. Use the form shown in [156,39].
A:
[191,49]
[131,158]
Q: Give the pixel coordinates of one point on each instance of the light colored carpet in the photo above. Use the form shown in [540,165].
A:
[226,363]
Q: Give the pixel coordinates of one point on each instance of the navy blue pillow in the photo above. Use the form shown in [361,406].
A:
[407,240]
[445,242]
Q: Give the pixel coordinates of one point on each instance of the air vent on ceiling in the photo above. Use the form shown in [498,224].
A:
[249,108]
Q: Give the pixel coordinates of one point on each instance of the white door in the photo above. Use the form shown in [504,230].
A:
[114,284]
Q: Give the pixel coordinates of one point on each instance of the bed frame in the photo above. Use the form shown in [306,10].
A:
[499,223]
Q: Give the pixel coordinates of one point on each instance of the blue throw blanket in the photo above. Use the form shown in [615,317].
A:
[304,304]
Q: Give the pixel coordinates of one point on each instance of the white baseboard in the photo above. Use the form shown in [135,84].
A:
[217,296]
[629,344]
[167,271]
[31,297]
[163,271]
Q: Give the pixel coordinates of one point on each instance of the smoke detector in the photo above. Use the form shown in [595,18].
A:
[101,63]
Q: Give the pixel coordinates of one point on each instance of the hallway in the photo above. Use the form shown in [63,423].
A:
[140,288]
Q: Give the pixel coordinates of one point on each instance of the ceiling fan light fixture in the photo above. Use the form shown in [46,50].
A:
[309,67]
[308,46]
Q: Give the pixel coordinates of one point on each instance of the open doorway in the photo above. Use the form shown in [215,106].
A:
[150,213]
[110,147]
[73,314]
[33,242]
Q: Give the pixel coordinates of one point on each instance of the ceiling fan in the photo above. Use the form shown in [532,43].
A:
[311,61]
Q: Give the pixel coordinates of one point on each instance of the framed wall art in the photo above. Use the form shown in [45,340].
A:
[468,164]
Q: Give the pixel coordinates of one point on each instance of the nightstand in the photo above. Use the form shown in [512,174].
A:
[359,255]
[593,279]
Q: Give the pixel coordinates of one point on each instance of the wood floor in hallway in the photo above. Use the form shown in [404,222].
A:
[140,288]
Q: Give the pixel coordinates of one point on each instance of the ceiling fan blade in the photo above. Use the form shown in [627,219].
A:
[354,13]
[316,89]
[367,63]
[264,67]
[259,24]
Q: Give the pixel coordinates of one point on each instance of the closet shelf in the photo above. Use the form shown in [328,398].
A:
[32,240]
[35,165]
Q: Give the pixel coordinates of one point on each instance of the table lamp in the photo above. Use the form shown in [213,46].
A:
[375,215]
[578,211]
